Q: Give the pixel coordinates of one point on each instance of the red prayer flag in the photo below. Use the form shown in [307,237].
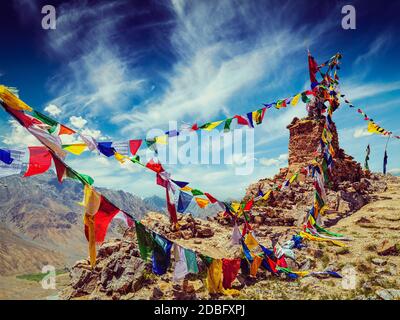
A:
[313,68]
[156,167]
[102,219]
[249,205]
[210,197]
[281,262]
[60,168]
[134,145]
[39,161]
[241,120]
[171,208]
[24,119]
[230,269]
[195,127]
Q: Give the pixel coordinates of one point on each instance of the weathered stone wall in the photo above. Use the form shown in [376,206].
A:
[305,135]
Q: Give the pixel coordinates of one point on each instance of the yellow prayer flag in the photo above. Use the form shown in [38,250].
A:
[235,206]
[186,188]
[293,178]
[202,202]
[91,200]
[266,196]
[213,125]
[308,236]
[214,279]
[295,100]
[161,139]
[75,149]
[121,158]
[374,128]
[12,100]
[250,241]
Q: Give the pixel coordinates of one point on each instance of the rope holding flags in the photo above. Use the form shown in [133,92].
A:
[99,211]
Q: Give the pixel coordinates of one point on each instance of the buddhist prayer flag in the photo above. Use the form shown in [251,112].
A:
[161,254]
[121,147]
[295,100]
[385,158]
[249,205]
[181,268]
[197,192]
[230,269]
[266,195]
[156,167]
[374,128]
[210,197]
[102,218]
[210,126]
[51,142]
[161,139]
[89,141]
[250,241]
[250,119]
[236,235]
[5,156]
[134,146]
[368,151]
[180,184]
[170,205]
[24,119]
[106,148]
[313,69]
[75,149]
[92,200]
[45,119]
[257,260]
[202,203]
[11,100]
[184,201]
[191,261]
[241,120]
[39,161]
[145,241]
[15,166]
[227,126]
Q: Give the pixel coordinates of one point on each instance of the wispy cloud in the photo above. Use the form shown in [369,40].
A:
[97,75]
[216,65]
[361,132]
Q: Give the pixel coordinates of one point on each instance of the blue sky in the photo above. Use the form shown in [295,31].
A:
[118,69]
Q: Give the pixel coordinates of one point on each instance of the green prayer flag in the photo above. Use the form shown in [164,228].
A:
[227,126]
[197,192]
[191,261]
[304,98]
[145,241]
[45,119]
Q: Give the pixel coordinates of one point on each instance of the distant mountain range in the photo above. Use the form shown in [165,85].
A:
[41,221]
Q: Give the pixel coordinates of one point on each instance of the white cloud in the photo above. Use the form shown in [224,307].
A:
[19,136]
[214,66]
[269,162]
[96,134]
[100,76]
[375,48]
[77,122]
[394,171]
[356,91]
[52,109]
[361,132]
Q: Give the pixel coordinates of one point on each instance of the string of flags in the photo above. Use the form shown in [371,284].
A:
[99,211]
[373,127]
